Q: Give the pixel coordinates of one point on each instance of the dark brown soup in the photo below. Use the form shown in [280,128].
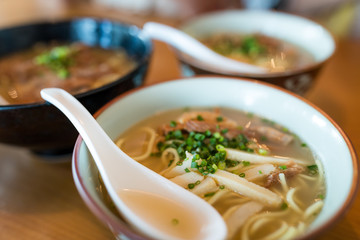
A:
[74,67]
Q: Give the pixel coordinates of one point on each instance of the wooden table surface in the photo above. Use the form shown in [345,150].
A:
[38,199]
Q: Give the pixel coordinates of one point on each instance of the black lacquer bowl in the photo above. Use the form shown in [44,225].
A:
[40,126]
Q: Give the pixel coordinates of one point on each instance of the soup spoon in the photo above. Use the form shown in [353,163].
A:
[196,50]
[152,204]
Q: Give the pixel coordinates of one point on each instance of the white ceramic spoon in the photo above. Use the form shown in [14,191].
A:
[198,51]
[151,203]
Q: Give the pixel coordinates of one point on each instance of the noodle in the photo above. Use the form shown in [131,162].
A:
[120,142]
[278,233]
[320,171]
[245,235]
[177,154]
[313,209]
[217,196]
[283,182]
[147,153]
[164,155]
[258,224]
[291,202]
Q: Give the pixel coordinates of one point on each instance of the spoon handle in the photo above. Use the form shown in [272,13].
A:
[195,49]
[85,124]
[111,161]
[120,172]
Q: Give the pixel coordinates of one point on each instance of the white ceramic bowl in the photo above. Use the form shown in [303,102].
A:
[321,133]
[299,31]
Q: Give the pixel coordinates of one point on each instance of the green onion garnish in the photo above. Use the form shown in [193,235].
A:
[200,118]
[245,163]
[284,206]
[175,221]
[313,169]
[209,194]
[283,167]
[173,124]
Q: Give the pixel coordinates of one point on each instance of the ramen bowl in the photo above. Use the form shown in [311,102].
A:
[322,135]
[40,126]
[302,33]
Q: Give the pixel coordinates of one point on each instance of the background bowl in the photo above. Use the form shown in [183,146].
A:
[321,134]
[40,126]
[293,29]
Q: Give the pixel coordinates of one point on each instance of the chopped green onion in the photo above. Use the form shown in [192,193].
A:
[260,172]
[242,175]
[58,59]
[222,165]
[170,162]
[208,133]
[193,164]
[263,151]
[187,170]
[203,163]
[178,134]
[173,124]
[225,130]
[222,187]
[200,118]
[284,129]
[220,148]
[219,119]
[245,163]
[283,167]
[191,185]
[175,221]
[209,194]
[217,135]
[284,206]
[199,137]
[313,169]
[214,166]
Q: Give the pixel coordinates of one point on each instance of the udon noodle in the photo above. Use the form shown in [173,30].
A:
[261,177]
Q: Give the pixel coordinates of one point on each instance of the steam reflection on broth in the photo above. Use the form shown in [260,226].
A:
[74,67]
[260,176]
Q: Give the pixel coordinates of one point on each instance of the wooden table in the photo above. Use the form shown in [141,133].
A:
[38,199]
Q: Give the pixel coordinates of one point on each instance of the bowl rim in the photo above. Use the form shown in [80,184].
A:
[340,213]
[146,58]
[307,68]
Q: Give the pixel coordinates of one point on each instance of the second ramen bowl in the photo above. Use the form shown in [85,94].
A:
[303,33]
[327,141]
[39,126]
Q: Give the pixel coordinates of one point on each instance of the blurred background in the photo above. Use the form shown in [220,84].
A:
[34,207]
[341,17]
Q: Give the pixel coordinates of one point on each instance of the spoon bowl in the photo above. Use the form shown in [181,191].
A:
[196,50]
[152,204]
